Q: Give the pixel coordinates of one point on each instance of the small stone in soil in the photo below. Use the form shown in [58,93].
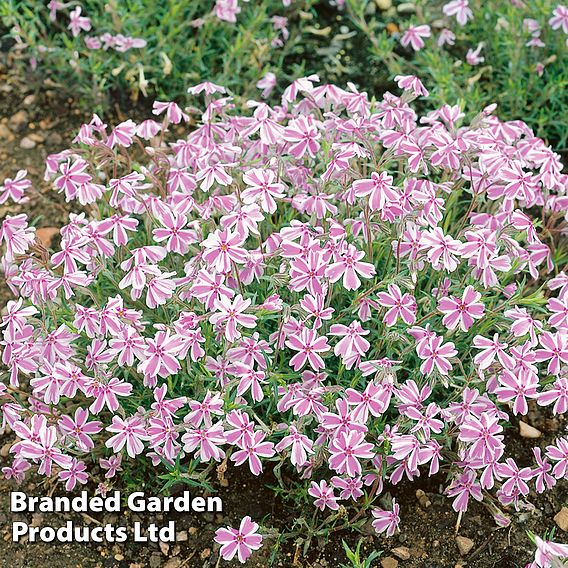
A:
[46,235]
[37,137]
[423,499]
[5,450]
[383,4]
[164,547]
[26,143]
[181,536]
[206,553]
[464,544]
[389,562]
[5,133]
[528,431]
[18,121]
[401,552]
[561,519]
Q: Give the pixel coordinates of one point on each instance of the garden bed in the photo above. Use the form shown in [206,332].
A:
[427,539]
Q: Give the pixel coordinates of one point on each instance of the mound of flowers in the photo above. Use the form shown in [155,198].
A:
[334,286]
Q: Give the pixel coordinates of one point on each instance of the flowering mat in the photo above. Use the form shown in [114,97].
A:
[347,320]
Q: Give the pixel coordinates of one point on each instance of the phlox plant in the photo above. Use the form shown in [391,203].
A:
[334,286]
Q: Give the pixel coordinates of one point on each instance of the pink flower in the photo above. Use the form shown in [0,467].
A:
[379,189]
[559,307]
[414,35]
[349,267]
[241,542]
[491,348]
[386,521]
[442,249]
[112,465]
[74,474]
[263,188]
[129,432]
[559,453]
[42,447]
[202,411]
[17,470]
[353,342]
[462,488]
[301,446]
[173,112]
[205,441]
[484,435]
[227,10]
[250,379]
[374,400]
[80,429]
[173,232]
[223,248]
[15,317]
[252,447]
[16,234]
[516,478]
[400,306]
[206,87]
[160,288]
[412,84]
[78,22]
[267,84]
[315,307]
[462,311]
[517,386]
[460,9]
[350,487]
[346,449]
[437,355]
[309,345]
[160,357]
[559,19]
[543,480]
[303,135]
[558,395]
[473,56]
[73,175]
[122,134]
[446,37]
[15,188]
[230,314]
[323,495]
[308,273]
[555,350]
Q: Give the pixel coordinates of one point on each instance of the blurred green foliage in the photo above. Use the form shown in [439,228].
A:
[359,42]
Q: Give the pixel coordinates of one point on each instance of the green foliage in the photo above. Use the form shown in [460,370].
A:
[359,43]
[354,556]
[186,44]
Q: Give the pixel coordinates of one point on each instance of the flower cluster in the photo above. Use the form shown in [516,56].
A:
[334,285]
[415,35]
